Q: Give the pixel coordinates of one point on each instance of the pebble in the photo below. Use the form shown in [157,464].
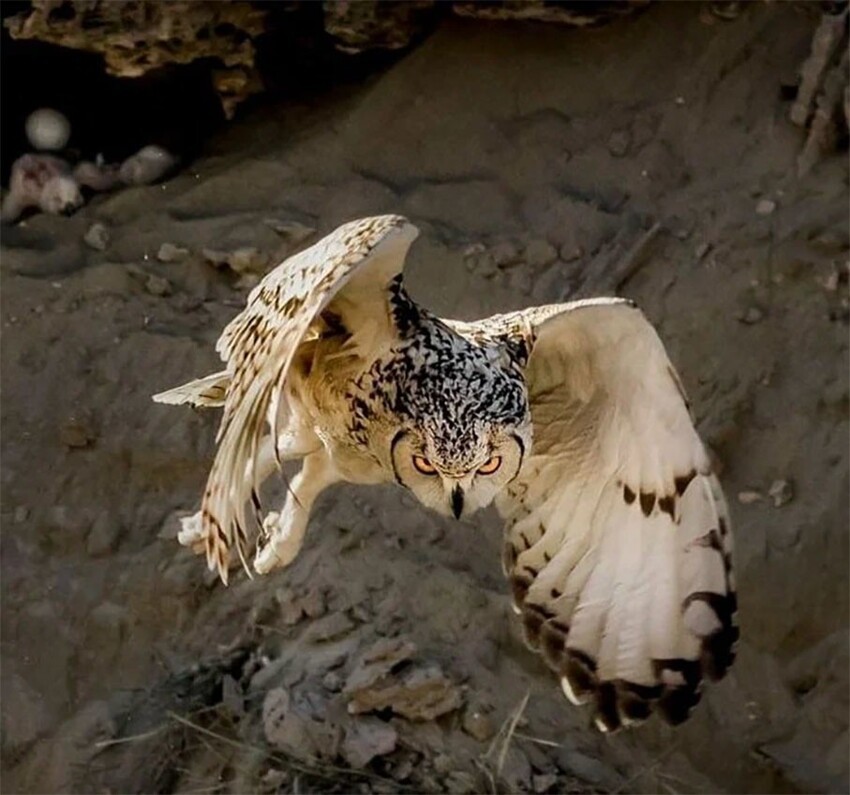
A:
[478,725]
[168,252]
[332,681]
[294,231]
[749,497]
[76,434]
[505,254]
[619,142]
[570,252]
[157,285]
[702,249]
[22,513]
[782,492]
[543,782]
[752,316]
[97,237]
[103,536]
[367,738]
[540,253]
[765,207]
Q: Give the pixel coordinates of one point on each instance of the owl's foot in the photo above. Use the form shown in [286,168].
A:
[277,545]
[191,533]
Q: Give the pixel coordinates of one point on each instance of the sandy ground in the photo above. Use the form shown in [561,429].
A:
[508,136]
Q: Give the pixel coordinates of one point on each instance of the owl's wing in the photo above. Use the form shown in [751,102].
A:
[618,543]
[352,269]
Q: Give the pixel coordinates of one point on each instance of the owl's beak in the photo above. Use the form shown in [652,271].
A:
[457,501]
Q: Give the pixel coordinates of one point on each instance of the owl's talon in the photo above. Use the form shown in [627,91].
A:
[191,533]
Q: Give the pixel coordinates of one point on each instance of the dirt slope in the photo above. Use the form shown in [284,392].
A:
[553,149]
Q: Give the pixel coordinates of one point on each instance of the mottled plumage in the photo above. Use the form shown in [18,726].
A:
[570,417]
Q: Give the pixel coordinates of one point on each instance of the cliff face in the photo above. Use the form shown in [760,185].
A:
[533,159]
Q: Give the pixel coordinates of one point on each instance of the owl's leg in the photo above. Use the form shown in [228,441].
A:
[292,443]
[284,531]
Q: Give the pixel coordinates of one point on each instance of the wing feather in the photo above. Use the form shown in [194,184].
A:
[618,544]
[357,261]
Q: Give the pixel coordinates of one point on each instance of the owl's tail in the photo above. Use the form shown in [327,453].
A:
[208,392]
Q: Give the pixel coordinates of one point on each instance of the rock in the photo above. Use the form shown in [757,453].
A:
[332,681]
[702,249]
[103,536]
[293,231]
[329,628]
[478,725]
[751,316]
[367,738]
[157,285]
[570,252]
[516,771]
[826,42]
[137,37]
[483,265]
[577,14]
[543,782]
[378,661]
[765,207]
[150,164]
[368,24]
[77,433]
[505,254]
[540,253]
[619,142]
[97,237]
[781,492]
[293,730]
[21,514]
[246,260]
[168,252]
[416,694]
[749,497]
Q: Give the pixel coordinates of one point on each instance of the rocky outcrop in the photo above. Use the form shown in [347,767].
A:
[138,36]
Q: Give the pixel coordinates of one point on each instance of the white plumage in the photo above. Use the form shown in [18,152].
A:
[617,542]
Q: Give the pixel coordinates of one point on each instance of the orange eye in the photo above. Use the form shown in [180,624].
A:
[424,465]
[490,466]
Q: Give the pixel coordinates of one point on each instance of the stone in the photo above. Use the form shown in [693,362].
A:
[103,536]
[765,207]
[478,725]
[543,782]
[329,628]
[540,253]
[77,433]
[749,497]
[97,237]
[245,260]
[619,142]
[21,514]
[367,738]
[781,492]
[168,252]
[505,254]
[751,316]
[293,231]
[137,37]
[292,729]
[157,285]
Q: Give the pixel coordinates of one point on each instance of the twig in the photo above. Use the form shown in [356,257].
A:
[100,744]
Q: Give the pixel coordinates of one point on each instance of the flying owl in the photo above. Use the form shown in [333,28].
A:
[569,417]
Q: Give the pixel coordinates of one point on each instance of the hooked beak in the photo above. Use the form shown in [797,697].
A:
[457,501]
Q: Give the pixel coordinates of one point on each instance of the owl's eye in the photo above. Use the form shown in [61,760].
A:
[489,467]
[424,465]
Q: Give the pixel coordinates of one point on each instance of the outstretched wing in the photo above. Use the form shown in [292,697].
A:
[351,270]
[618,544]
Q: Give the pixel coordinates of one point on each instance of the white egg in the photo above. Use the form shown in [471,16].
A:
[48,129]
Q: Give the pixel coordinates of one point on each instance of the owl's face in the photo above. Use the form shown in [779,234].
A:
[459,478]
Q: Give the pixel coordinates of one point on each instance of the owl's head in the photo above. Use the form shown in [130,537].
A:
[456,471]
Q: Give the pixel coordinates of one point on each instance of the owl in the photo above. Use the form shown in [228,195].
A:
[569,417]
